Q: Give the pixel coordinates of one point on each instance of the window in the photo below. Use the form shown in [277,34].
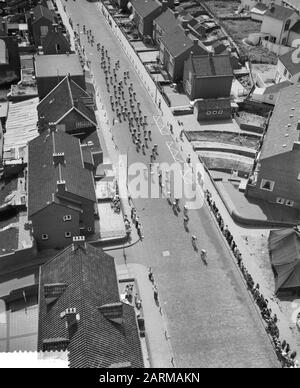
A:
[67,218]
[45,237]
[267,185]
[290,76]
[280,200]
[68,234]
[44,30]
[89,229]
[215,112]
[284,41]
[57,47]
[208,112]
[220,112]
[289,203]
[287,26]
[285,72]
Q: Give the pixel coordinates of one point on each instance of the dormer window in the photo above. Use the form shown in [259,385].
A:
[67,218]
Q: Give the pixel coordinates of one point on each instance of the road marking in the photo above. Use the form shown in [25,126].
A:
[163,129]
[176,155]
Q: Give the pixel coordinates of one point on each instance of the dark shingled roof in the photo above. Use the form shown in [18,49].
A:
[287,60]
[279,12]
[166,21]
[66,96]
[56,36]
[40,11]
[43,174]
[145,7]
[178,42]
[213,104]
[95,341]
[296,27]
[284,120]
[211,65]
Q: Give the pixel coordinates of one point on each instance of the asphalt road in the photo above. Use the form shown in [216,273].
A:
[210,317]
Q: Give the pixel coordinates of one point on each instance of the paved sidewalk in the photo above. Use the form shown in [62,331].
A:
[159,346]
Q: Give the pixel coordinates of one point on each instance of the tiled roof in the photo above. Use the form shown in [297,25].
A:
[166,21]
[279,12]
[211,65]
[43,174]
[55,36]
[292,66]
[296,27]
[213,104]
[277,87]
[283,127]
[177,42]
[40,11]
[145,7]
[58,65]
[95,341]
[65,96]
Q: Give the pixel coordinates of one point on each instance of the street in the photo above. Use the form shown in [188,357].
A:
[211,319]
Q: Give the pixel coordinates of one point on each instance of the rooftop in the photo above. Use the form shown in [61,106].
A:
[42,12]
[213,104]
[177,42]
[58,65]
[167,21]
[277,87]
[283,129]
[211,65]
[291,65]
[279,12]
[145,7]
[43,174]
[102,331]
[66,96]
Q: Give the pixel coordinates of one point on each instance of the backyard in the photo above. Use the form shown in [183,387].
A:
[9,240]
[222,7]
[224,137]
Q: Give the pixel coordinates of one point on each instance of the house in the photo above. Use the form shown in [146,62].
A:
[80,310]
[70,107]
[212,109]
[40,21]
[288,67]
[50,70]
[55,42]
[144,13]
[164,24]
[269,94]
[175,48]
[277,23]
[10,64]
[207,76]
[258,11]
[247,5]
[61,192]
[276,174]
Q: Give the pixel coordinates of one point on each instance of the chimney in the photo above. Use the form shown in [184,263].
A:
[164,5]
[55,27]
[59,158]
[61,187]
[78,242]
[72,318]
[113,312]
[298,125]
[195,41]
[272,6]
[176,13]
[184,24]
[296,146]
[186,31]
[52,127]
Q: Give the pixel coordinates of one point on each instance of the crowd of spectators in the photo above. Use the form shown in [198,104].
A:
[282,348]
